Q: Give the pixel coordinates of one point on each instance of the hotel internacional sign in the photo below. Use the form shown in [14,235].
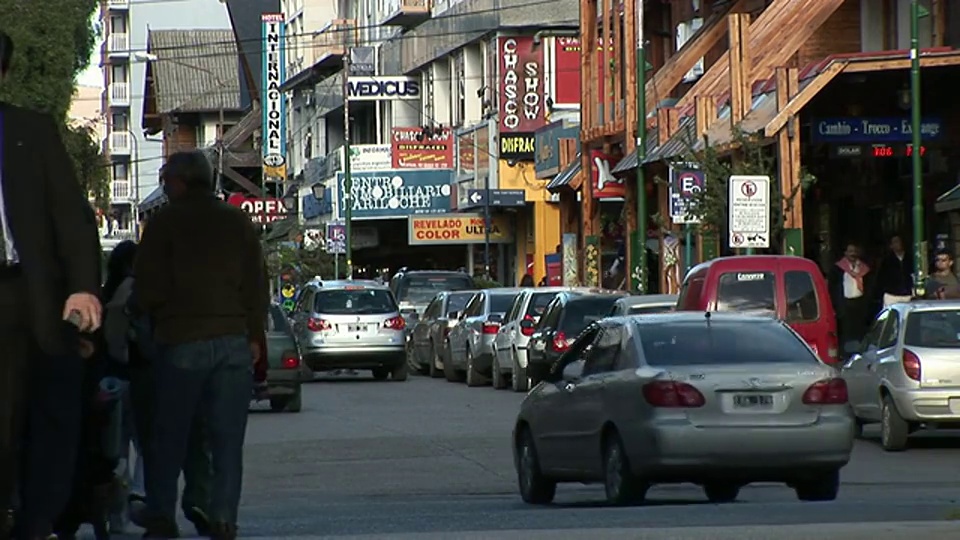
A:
[273,127]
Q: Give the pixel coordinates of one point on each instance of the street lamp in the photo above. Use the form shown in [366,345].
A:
[290,203]
[319,191]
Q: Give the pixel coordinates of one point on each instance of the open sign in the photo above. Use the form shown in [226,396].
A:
[260,210]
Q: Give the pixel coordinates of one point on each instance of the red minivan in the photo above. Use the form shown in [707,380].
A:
[792,287]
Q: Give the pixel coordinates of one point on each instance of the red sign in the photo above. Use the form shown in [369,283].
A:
[260,210]
[411,148]
[521,85]
[566,80]
[603,183]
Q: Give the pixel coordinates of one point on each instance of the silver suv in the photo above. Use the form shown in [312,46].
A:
[351,326]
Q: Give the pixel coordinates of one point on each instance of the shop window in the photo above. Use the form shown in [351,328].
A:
[685,32]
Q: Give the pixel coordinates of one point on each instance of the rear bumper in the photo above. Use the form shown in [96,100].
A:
[331,358]
[679,451]
[282,382]
[928,405]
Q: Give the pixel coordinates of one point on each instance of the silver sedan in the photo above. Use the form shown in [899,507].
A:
[719,400]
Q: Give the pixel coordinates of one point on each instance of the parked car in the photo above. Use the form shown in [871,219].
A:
[285,372]
[414,289]
[906,374]
[565,317]
[716,399]
[510,345]
[350,326]
[793,288]
[641,304]
[470,341]
[428,336]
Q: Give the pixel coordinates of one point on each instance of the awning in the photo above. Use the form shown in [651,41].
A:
[949,201]
[680,143]
[566,175]
[763,109]
[629,161]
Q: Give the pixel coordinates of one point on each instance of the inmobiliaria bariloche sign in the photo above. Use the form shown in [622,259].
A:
[522,108]
[273,127]
[397,194]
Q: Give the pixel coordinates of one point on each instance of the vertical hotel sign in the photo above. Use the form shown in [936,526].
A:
[274,123]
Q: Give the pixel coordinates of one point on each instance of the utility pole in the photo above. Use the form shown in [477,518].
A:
[919,253]
[486,214]
[136,186]
[347,179]
[640,258]
[220,131]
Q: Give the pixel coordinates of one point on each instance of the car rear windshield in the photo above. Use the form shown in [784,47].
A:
[500,303]
[721,342]
[276,320]
[422,289]
[354,302]
[580,312]
[539,303]
[457,302]
[641,310]
[933,329]
[746,291]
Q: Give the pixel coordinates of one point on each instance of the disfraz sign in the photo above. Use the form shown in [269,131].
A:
[383,88]
[273,123]
[397,194]
[749,211]
[521,85]
[518,146]
[412,149]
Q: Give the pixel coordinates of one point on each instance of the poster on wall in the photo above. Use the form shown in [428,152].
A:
[274,120]
[413,149]
[566,67]
[521,89]
[603,183]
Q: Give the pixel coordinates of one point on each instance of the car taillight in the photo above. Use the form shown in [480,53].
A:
[395,323]
[491,327]
[911,364]
[290,360]
[318,325]
[826,392]
[672,394]
[527,326]
[560,342]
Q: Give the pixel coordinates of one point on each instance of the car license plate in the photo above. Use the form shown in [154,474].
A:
[753,400]
[357,328]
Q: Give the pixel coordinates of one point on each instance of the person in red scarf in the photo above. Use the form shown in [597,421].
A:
[848,281]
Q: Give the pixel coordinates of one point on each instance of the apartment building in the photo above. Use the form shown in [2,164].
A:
[134,158]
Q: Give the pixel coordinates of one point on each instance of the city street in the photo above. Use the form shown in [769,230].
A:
[428,456]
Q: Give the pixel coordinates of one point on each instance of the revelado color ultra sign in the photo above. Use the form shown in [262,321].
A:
[274,123]
[383,88]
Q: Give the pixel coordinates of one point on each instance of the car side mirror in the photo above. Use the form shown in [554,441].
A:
[453,315]
[851,347]
[573,371]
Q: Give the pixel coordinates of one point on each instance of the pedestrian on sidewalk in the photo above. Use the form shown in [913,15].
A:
[200,280]
[49,287]
[943,283]
[895,277]
[850,295]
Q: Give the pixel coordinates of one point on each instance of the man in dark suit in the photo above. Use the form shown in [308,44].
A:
[49,274]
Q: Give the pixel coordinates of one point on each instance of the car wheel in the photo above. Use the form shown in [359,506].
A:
[435,372]
[449,372]
[278,404]
[380,373]
[858,428]
[894,430]
[413,363]
[621,486]
[399,373]
[820,486]
[721,492]
[474,377]
[519,380]
[295,402]
[535,488]
[497,377]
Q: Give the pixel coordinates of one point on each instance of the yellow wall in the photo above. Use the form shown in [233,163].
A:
[543,218]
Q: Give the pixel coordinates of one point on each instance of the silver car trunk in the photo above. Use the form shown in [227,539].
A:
[934,337]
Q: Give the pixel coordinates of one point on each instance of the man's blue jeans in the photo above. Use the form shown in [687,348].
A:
[212,379]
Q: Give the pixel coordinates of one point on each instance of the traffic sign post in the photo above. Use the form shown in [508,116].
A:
[335,243]
[685,184]
[748,208]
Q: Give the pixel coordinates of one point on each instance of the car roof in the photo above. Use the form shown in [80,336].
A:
[699,316]
[648,299]
[431,273]
[750,262]
[927,305]
[341,285]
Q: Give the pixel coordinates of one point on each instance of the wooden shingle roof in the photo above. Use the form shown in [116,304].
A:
[195,70]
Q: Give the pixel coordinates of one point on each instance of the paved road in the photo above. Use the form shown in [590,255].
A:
[427,456]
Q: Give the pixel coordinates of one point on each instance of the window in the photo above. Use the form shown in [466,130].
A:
[474,306]
[933,329]
[500,303]
[422,288]
[746,291]
[354,302]
[433,309]
[120,171]
[721,342]
[118,25]
[603,356]
[119,122]
[458,301]
[690,293]
[118,73]
[306,300]
[580,312]
[515,307]
[891,331]
[644,310]
[458,95]
[873,335]
[277,321]
[539,303]
[686,31]
[802,305]
[551,316]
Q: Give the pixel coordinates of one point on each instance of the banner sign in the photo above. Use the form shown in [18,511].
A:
[546,163]
[397,194]
[412,149]
[603,183]
[274,122]
[521,85]
[336,238]
[457,229]
[518,146]
[260,210]
[566,69]
[870,130]
[383,88]
[370,157]
[685,183]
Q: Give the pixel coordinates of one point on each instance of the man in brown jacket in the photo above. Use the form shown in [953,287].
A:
[200,279]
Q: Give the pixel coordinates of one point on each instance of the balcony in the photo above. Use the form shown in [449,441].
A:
[332,42]
[118,44]
[405,13]
[120,143]
[120,191]
[119,94]
[118,4]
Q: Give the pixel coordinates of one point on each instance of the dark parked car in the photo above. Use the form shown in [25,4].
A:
[564,318]
[285,371]
[428,336]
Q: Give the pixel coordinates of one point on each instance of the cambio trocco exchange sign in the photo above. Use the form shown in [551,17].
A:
[274,123]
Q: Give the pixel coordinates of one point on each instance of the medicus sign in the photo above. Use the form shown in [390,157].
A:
[522,108]
[274,123]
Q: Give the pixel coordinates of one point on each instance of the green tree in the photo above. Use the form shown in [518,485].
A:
[53,40]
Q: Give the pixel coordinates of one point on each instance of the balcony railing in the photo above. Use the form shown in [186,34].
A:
[335,39]
[120,143]
[121,190]
[119,43]
[119,94]
[118,4]
[405,13]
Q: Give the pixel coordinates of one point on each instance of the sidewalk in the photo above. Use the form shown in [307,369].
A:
[834,531]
